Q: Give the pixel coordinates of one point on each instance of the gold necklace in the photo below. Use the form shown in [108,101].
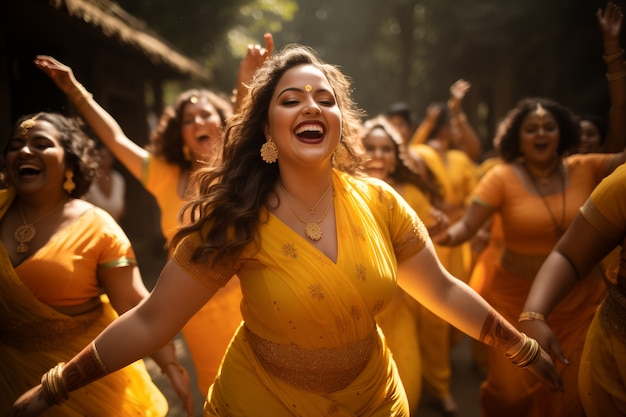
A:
[311,209]
[26,232]
[542,176]
[559,228]
[311,230]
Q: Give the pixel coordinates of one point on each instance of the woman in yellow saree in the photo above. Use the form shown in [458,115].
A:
[401,321]
[58,254]
[312,283]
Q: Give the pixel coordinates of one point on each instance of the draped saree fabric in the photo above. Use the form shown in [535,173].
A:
[34,337]
[602,375]
[310,345]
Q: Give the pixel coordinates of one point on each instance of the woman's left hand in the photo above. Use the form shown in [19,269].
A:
[31,403]
[179,378]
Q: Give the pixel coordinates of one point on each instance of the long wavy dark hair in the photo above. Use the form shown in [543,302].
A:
[80,149]
[233,191]
[166,140]
[508,133]
[405,171]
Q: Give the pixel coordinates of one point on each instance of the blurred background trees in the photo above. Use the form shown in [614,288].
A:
[409,50]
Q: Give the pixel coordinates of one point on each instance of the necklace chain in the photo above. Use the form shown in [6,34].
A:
[312,230]
[26,231]
[543,177]
[559,227]
[311,209]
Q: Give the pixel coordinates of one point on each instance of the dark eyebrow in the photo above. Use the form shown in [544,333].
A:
[299,90]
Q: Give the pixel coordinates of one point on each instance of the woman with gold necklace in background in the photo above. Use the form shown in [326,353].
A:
[537,192]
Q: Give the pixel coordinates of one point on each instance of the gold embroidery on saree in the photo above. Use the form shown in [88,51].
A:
[318,370]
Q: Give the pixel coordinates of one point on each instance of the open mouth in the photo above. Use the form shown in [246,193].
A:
[310,131]
[28,170]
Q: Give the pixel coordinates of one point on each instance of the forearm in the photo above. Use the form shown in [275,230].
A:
[470,142]
[101,357]
[456,234]
[106,128]
[553,282]
[616,79]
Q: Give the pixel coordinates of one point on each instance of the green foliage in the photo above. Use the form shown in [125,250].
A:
[410,50]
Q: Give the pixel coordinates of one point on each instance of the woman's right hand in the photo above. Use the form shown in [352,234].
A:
[542,333]
[31,403]
[61,74]
[610,21]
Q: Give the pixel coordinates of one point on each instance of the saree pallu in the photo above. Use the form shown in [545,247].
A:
[602,374]
[602,377]
[127,392]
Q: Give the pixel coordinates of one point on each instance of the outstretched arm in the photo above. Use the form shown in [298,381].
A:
[101,122]
[465,228]
[134,335]
[424,278]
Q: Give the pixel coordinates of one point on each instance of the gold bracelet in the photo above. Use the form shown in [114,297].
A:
[53,387]
[531,315]
[613,57]
[79,94]
[612,76]
[527,354]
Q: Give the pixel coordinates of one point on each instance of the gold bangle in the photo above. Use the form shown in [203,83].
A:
[79,94]
[613,57]
[527,354]
[531,315]
[612,76]
[53,387]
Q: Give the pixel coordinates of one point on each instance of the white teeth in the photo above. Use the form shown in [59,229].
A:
[28,166]
[310,128]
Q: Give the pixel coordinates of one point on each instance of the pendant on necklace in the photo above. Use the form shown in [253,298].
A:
[24,234]
[313,231]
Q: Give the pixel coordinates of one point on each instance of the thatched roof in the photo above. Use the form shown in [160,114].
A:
[115,22]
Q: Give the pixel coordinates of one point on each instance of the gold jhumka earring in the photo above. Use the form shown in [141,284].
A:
[269,152]
[69,183]
[341,154]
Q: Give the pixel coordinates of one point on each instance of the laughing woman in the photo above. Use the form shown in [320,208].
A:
[59,253]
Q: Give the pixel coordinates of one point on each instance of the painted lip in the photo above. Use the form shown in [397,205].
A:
[310,131]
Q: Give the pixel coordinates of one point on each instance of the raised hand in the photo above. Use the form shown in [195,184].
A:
[59,73]
[610,21]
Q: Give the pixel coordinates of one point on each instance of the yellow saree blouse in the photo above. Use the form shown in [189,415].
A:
[309,345]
